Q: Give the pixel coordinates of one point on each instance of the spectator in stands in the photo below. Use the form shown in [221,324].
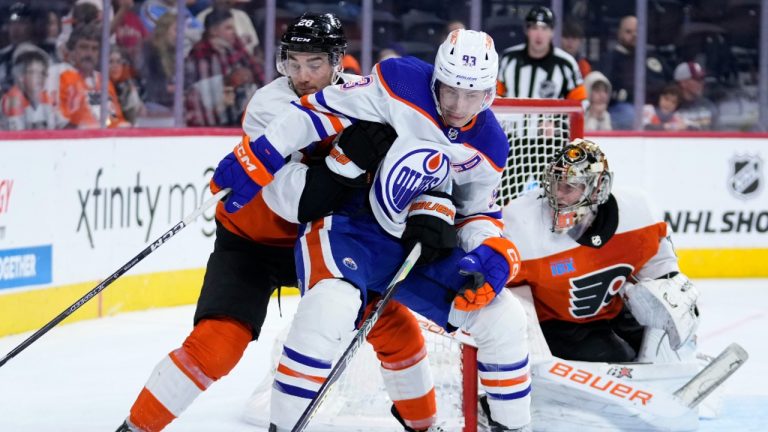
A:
[664,116]
[80,87]
[243,24]
[596,116]
[159,67]
[129,33]
[152,10]
[521,66]
[20,30]
[572,40]
[619,66]
[698,112]
[52,23]
[83,12]
[27,105]
[215,63]
[122,75]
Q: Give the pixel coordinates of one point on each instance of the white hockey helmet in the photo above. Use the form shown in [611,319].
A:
[467,59]
[580,172]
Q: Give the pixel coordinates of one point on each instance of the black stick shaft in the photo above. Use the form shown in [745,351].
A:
[357,341]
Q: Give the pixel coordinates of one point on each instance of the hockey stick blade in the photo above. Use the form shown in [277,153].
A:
[712,376]
[358,340]
[116,275]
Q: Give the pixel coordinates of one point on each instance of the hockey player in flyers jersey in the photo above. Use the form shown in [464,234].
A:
[253,252]
[588,253]
[443,168]
[604,278]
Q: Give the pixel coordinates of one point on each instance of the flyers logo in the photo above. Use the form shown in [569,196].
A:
[591,292]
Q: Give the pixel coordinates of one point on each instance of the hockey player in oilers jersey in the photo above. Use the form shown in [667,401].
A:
[253,252]
[443,168]
[600,265]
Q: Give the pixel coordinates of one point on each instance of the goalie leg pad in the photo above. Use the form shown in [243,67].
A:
[325,316]
[399,345]
[212,350]
[500,331]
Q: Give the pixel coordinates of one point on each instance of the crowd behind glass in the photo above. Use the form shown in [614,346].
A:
[50,75]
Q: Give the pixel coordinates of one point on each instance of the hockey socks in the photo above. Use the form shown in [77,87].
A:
[212,350]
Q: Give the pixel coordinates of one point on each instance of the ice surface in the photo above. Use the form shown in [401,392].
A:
[85,376]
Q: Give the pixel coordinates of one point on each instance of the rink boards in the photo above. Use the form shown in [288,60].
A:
[74,209]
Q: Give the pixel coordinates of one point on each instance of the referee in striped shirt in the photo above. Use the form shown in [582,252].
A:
[536,69]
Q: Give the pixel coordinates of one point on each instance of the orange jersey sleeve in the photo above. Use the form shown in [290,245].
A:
[256,222]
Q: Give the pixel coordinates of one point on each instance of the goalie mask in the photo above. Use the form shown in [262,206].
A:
[313,33]
[466,66]
[576,181]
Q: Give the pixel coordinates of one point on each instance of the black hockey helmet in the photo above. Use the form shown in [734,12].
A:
[315,33]
[540,15]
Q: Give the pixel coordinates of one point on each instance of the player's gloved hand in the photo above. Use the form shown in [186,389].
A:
[365,143]
[430,221]
[246,170]
[357,151]
[489,267]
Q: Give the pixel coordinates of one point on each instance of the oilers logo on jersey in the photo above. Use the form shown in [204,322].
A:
[414,173]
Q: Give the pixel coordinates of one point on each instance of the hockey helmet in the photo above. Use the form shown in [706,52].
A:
[467,59]
[576,181]
[540,15]
[315,33]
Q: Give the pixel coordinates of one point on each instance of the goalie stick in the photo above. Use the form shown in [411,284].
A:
[709,378]
[114,276]
[358,340]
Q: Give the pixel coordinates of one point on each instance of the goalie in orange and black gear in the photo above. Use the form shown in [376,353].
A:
[581,243]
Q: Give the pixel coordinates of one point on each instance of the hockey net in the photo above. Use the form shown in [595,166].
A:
[536,129]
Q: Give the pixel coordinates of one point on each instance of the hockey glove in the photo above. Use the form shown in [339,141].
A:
[668,304]
[490,266]
[365,143]
[430,221]
[247,169]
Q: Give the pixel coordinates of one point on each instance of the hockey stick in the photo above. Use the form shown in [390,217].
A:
[358,340]
[114,276]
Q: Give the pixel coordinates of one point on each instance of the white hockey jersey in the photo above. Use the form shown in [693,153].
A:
[465,161]
[271,217]
[282,195]
[577,280]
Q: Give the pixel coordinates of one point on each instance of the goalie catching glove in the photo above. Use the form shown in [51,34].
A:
[430,221]
[247,169]
[490,267]
[668,304]
[358,150]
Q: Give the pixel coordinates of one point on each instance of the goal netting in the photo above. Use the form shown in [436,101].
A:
[536,128]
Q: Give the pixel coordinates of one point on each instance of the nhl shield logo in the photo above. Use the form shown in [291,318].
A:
[746,178]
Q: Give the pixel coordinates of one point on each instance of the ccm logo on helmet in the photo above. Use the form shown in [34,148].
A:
[300,39]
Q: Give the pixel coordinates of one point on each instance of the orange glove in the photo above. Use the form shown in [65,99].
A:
[469,299]
[490,265]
